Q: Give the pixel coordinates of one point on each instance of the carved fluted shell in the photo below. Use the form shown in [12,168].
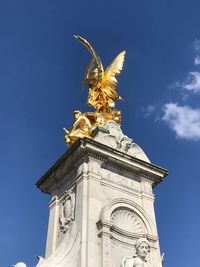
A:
[128,221]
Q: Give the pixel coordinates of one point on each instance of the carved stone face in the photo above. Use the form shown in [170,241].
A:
[125,145]
[142,250]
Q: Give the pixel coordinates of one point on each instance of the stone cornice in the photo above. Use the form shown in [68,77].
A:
[85,148]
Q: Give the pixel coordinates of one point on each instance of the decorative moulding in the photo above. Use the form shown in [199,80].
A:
[85,148]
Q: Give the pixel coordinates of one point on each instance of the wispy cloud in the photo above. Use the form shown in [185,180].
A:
[183,120]
[192,82]
[148,111]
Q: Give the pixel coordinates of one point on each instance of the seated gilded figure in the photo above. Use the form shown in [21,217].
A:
[86,122]
[82,127]
[139,260]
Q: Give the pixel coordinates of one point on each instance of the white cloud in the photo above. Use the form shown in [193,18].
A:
[184,120]
[192,83]
[197,60]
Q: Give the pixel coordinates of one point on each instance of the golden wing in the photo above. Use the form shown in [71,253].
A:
[91,50]
[113,70]
[87,72]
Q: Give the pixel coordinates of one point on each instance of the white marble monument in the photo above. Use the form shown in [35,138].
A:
[101,203]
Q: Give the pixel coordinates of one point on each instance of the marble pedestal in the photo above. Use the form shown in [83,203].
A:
[101,203]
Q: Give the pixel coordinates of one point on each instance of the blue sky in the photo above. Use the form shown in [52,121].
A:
[41,69]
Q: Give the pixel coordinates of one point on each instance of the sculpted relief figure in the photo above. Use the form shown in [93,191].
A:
[125,143]
[139,260]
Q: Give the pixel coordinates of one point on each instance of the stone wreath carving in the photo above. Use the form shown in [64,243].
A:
[67,211]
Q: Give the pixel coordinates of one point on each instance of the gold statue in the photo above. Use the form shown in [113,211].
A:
[102,96]
[102,85]
[83,126]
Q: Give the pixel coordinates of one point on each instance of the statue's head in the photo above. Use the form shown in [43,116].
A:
[125,143]
[77,113]
[142,247]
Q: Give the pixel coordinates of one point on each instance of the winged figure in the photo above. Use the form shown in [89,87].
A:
[102,84]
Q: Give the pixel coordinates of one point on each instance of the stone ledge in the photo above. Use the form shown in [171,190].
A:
[85,148]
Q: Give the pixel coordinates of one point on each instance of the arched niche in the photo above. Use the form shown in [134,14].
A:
[121,223]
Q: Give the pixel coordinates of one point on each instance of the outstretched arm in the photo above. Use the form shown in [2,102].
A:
[94,55]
